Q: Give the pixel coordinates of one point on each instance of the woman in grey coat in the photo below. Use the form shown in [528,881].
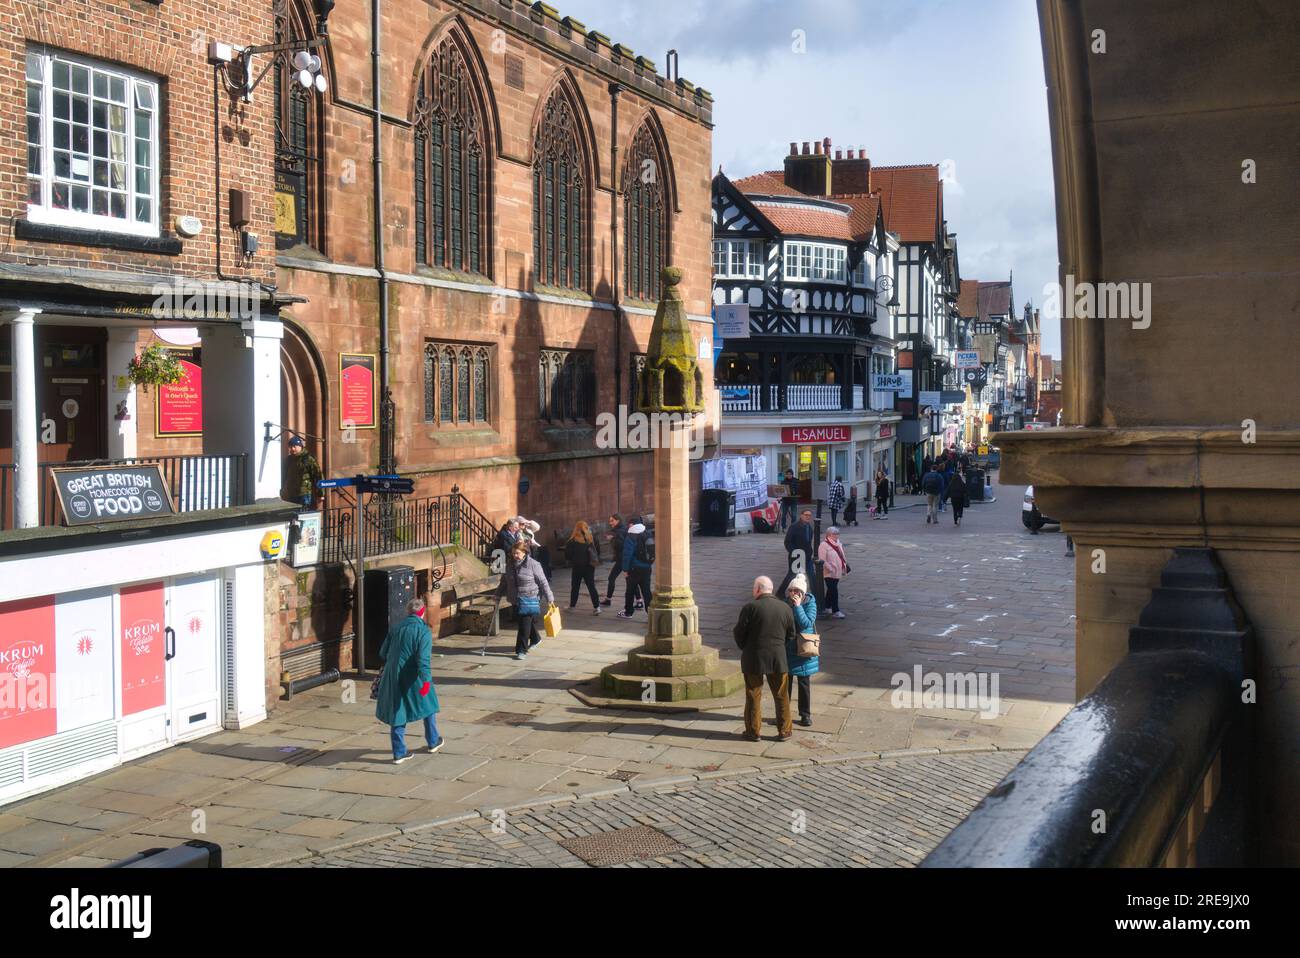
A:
[524,583]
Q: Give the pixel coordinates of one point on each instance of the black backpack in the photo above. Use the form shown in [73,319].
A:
[932,483]
[644,551]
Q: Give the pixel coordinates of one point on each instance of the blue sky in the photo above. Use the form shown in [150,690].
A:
[912,81]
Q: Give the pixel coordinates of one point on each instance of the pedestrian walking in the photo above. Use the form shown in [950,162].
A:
[580,551]
[637,563]
[798,549]
[790,501]
[882,495]
[616,534]
[835,566]
[851,508]
[507,537]
[762,630]
[932,485]
[957,496]
[802,667]
[835,501]
[526,586]
[406,692]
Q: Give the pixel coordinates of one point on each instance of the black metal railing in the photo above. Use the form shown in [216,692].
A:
[196,483]
[1150,769]
[401,525]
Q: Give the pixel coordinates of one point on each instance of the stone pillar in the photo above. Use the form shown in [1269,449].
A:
[241,394]
[121,432]
[673,668]
[27,509]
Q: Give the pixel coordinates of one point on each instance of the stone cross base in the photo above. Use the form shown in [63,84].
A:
[673,666]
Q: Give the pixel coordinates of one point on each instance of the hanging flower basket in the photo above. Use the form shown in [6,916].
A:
[155,366]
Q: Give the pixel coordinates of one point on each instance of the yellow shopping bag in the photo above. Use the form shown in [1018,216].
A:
[552,621]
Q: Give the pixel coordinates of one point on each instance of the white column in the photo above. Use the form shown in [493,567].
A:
[241,393]
[27,510]
[121,432]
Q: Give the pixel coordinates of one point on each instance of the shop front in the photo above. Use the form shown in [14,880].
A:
[113,652]
[818,454]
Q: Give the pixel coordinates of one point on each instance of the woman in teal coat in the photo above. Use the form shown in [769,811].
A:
[406,692]
[802,667]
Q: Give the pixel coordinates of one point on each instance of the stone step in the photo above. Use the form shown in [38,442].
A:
[641,662]
[724,680]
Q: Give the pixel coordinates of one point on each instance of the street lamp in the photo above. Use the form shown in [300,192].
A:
[239,71]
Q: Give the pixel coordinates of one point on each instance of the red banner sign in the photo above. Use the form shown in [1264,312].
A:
[27,709]
[180,407]
[143,648]
[886,431]
[802,435]
[356,391]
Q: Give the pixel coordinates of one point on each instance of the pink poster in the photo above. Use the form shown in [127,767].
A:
[144,650]
[27,709]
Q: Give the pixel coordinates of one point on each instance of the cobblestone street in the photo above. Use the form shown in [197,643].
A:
[985,597]
[876,812]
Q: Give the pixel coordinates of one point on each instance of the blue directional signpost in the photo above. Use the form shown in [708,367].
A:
[390,485]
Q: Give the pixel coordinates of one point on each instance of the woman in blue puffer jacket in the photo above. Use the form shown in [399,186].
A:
[802,668]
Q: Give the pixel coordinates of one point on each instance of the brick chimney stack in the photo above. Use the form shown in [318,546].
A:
[810,171]
[852,174]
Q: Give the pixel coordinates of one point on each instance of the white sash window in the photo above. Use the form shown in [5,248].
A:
[92,146]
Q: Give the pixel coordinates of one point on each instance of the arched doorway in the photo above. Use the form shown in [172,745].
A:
[303,393]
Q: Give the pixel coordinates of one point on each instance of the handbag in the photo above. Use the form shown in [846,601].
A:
[552,621]
[374,686]
[528,605]
[808,644]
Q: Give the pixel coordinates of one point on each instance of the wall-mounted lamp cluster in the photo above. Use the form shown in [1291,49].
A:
[236,66]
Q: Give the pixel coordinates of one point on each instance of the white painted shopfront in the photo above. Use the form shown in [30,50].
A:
[112,651]
[818,450]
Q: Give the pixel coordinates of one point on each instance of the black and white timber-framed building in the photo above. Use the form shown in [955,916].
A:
[805,251]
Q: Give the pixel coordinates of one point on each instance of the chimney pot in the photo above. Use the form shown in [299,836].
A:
[806,151]
[851,152]
[794,149]
[839,154]
[826,145]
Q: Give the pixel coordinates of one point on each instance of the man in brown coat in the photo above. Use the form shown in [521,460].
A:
[761,632]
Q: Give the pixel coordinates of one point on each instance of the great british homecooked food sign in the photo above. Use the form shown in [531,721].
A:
[112,493]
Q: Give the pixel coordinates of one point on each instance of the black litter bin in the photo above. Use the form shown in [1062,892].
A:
[975,485]
[387,592]
[717,512]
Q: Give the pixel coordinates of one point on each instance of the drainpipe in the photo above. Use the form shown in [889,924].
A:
[614,91]
[387,462]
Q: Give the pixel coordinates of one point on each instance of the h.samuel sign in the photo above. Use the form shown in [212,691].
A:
[802,435]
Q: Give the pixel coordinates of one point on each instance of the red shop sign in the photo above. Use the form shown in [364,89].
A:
[886,432]
[795,435]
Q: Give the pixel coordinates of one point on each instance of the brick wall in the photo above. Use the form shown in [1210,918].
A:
[169,42]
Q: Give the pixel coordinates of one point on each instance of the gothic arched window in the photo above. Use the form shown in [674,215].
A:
[645,217]
[299,140]
[456,383]
[560,196]
[451,199]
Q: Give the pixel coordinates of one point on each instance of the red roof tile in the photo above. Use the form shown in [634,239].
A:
[912,200]
[968,299]
[807,221]
[767,183]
